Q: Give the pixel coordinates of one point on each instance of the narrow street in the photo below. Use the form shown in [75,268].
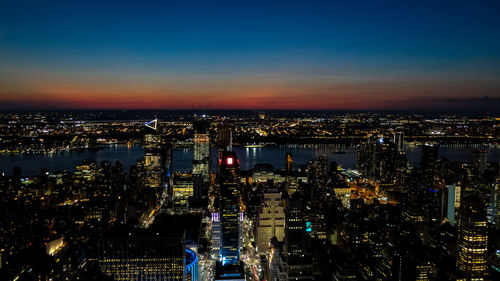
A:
[249,256]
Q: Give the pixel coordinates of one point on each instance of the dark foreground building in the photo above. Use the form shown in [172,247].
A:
[229,267]
[229,207]
[156,253]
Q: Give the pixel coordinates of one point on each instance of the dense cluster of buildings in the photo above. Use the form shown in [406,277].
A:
[56,132]
[387,220]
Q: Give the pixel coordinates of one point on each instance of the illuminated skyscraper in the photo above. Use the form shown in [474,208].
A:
[201,149]
[288,163]
[182,190]
[153,166]
[472,239]
[86,171]
[270,220]
[453,202]
[216,235]
[191,268]
[229,181]
[398,139]
[291,179]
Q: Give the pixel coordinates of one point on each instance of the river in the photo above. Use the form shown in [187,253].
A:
[275,155]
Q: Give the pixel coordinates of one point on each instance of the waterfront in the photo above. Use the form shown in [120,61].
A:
[274,155]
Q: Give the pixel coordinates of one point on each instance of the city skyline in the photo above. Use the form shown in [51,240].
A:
[259,55]
[249,197]
[250,140]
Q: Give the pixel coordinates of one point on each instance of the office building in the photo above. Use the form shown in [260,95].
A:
[398,140]
[160,252]
[270,220]
[224,138]
[229,272]
[299,262]
[86,171]
[472,239]
[453,202]
[182,190]
[478,160]
[230,196]
[191,268]
[429,155]
[216,235]
[143,254]
[201,149]
[154,166]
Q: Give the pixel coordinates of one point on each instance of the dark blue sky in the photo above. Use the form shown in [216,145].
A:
[250,54]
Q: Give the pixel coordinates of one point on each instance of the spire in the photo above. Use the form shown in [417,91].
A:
[152,124]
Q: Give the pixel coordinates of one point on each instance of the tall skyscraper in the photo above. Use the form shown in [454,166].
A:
[478,160]
[291,179]
[472,239]
[216,235]
[453,202]
[182,190]
[398,139]
[429,155]
[201,149]
[224,137]
[153,162]
[298,261]
[230,196]
[270,220]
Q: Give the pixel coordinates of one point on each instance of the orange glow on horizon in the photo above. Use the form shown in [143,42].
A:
[277,96]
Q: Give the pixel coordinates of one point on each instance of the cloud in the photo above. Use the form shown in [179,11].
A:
[465,104]
[481,100]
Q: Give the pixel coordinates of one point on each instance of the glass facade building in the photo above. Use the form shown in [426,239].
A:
[229,207]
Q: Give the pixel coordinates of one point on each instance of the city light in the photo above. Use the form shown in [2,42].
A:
[250,140]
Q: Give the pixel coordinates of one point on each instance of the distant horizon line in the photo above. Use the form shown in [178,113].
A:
[249,109]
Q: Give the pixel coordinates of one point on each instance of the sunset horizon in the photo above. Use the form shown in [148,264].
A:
[280,55]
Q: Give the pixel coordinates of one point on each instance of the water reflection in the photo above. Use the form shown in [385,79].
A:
[31,164]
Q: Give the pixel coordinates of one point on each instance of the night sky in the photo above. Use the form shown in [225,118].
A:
[401,55]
